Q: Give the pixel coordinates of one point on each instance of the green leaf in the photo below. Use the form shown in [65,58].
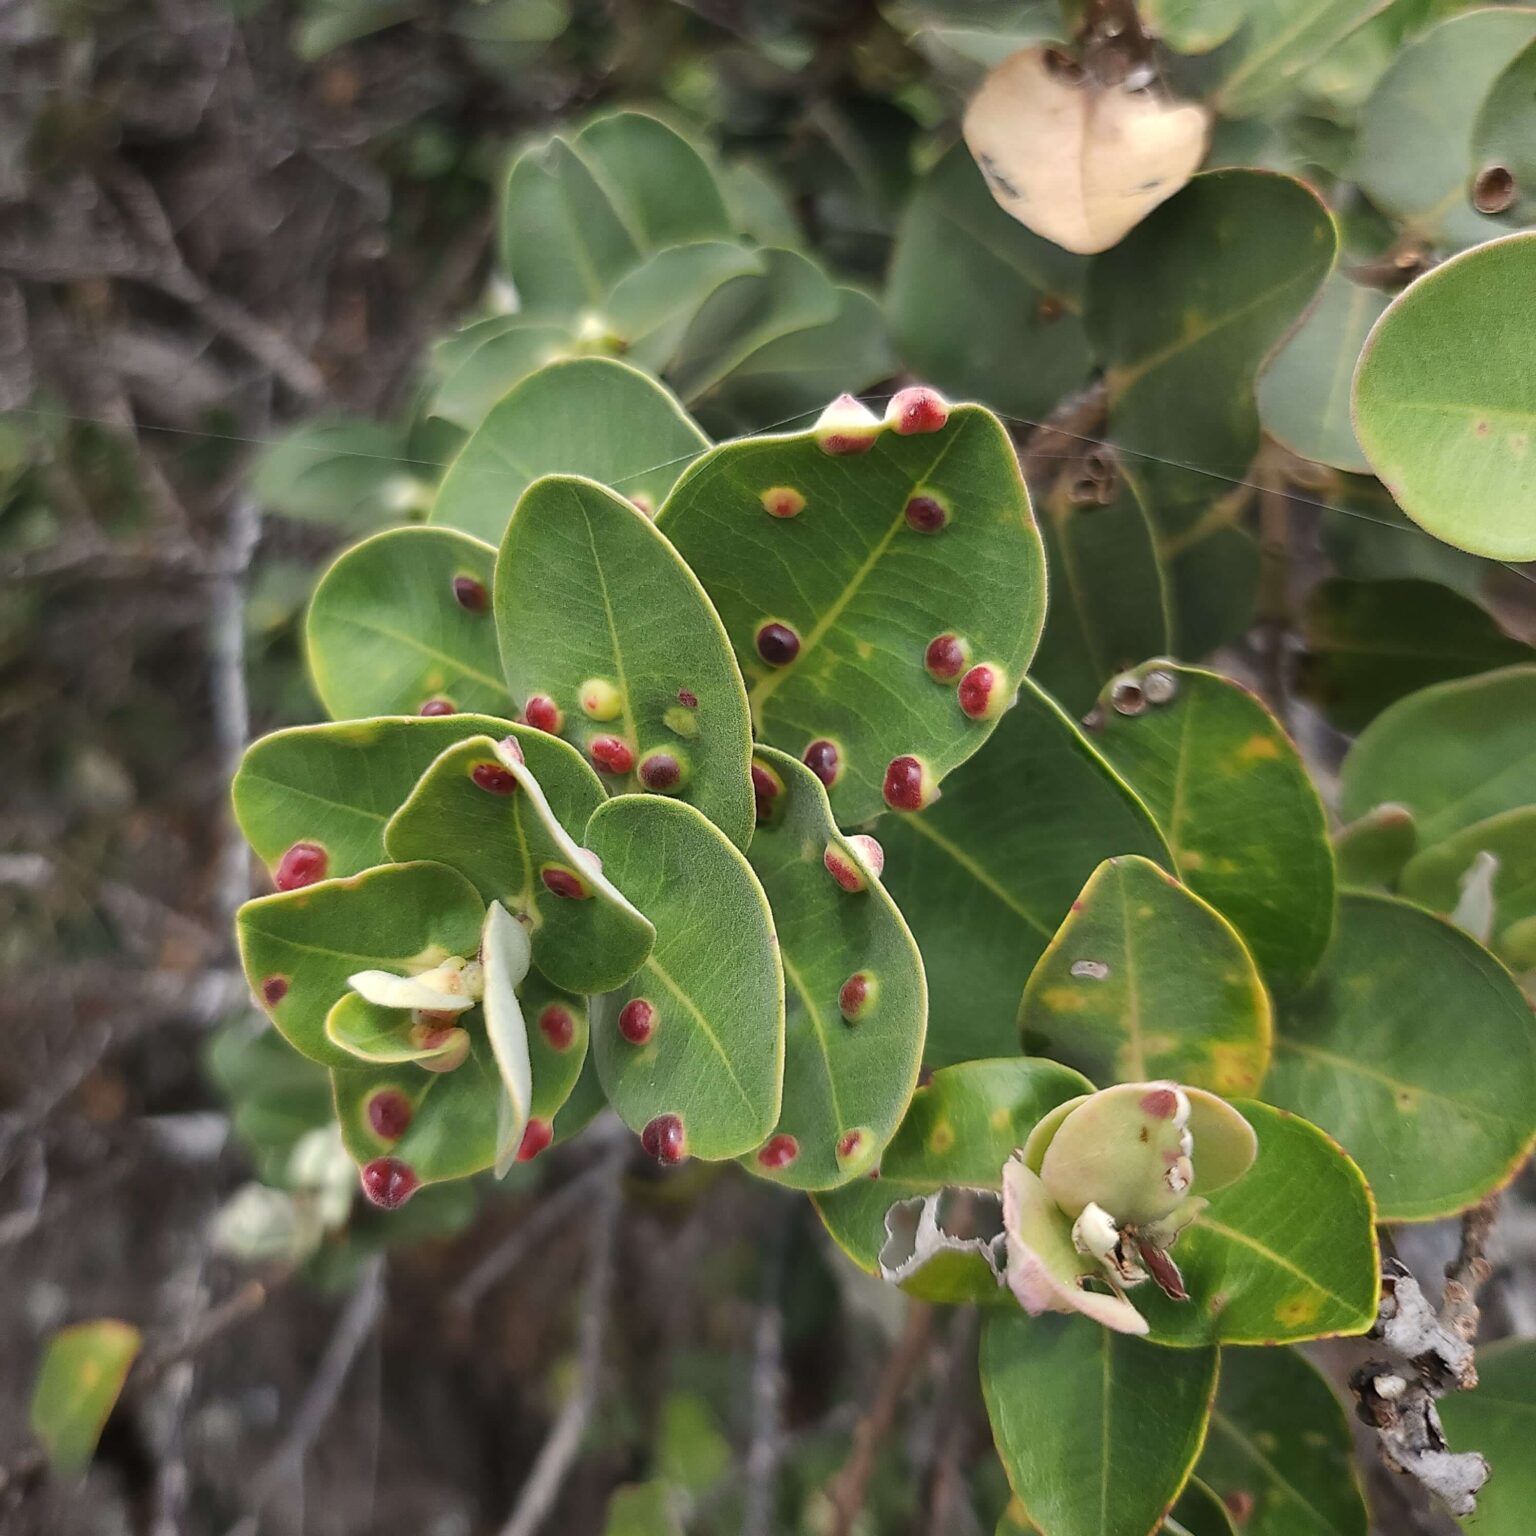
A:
[558,1033]
[1413,153]
[1495,1418]
[1144,980]
[842,1076]
[1452,442]
[748,313]
[506,838]
[1303,393]
[375,1035]
[1435,877]
[482,362]
[1097,1431]
[863,591]
[1279,41]
[337,785]
[1279,1447]
[1504,134]
[1454,754]
[343,470]
[386,632]
[1109,595]
[1193,26]
[399,917]
[455,1118]
[588,590]
[798,373]
[651,307]
[1374,849]
[587,416]
[960,1129]
[1417,1051]
[1237,805]
[991,869]
[644,1509]
[713,982]
[972,291]
[1199,1513]
[82,1372]
[1286,1253]
[1370,644]
[655,180]
[560,237]
[1183,313]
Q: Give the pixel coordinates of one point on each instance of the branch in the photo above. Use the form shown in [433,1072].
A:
[558,1453]
[1067,433]
[847,1489]
[1430,1355]
[767,1384]
[353,1328]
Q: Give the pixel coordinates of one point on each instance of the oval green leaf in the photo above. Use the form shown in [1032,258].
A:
[588,416]
[1453,443]
[864,591]
[1413,154]
[1097,1431]
[588,589]
[991,869]
[337,785]
[1237,805]
[1279,1447]
[715,1056]
[1286,1253]
[561,240]
[479,364]
[507,842]
[1504,135]
[1303,393]
[386,633]
[82,1373]
[842,1076]
[1454,754]
[1144,980]
[299,947]
[455,1117]
[1415,1048]
[1183,313]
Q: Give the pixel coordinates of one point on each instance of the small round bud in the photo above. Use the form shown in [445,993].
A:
[847,426]
[470,594]
[777,643]
[612,754]
[637,1021]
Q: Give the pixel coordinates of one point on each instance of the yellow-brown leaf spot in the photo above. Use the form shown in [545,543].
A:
[1063,1000]
[1258,749]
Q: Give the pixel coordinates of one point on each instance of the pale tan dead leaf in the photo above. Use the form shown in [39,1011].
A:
[1078,162]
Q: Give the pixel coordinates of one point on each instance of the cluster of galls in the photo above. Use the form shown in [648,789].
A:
[662,770]
[1104,1186]
[982,690]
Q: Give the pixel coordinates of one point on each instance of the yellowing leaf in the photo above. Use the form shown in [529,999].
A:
[1078,162]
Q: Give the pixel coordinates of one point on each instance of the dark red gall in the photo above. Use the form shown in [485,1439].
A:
[493,779]
[946,657]
[558,1027]
[612,754]
[274,989]
[664,1139]
[470,594]
[438,707]
[661,771]
[563,882]
[302,865]
[926,514]
[389,1114]
[543,714]
[389,1183]
[824,760]
[778,1152]
[536,1137]
[637,1021]
[777,644]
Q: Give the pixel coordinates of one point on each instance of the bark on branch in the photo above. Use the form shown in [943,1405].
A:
[1429,1354]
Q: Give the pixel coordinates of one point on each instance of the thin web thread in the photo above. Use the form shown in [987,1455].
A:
[1236,482]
